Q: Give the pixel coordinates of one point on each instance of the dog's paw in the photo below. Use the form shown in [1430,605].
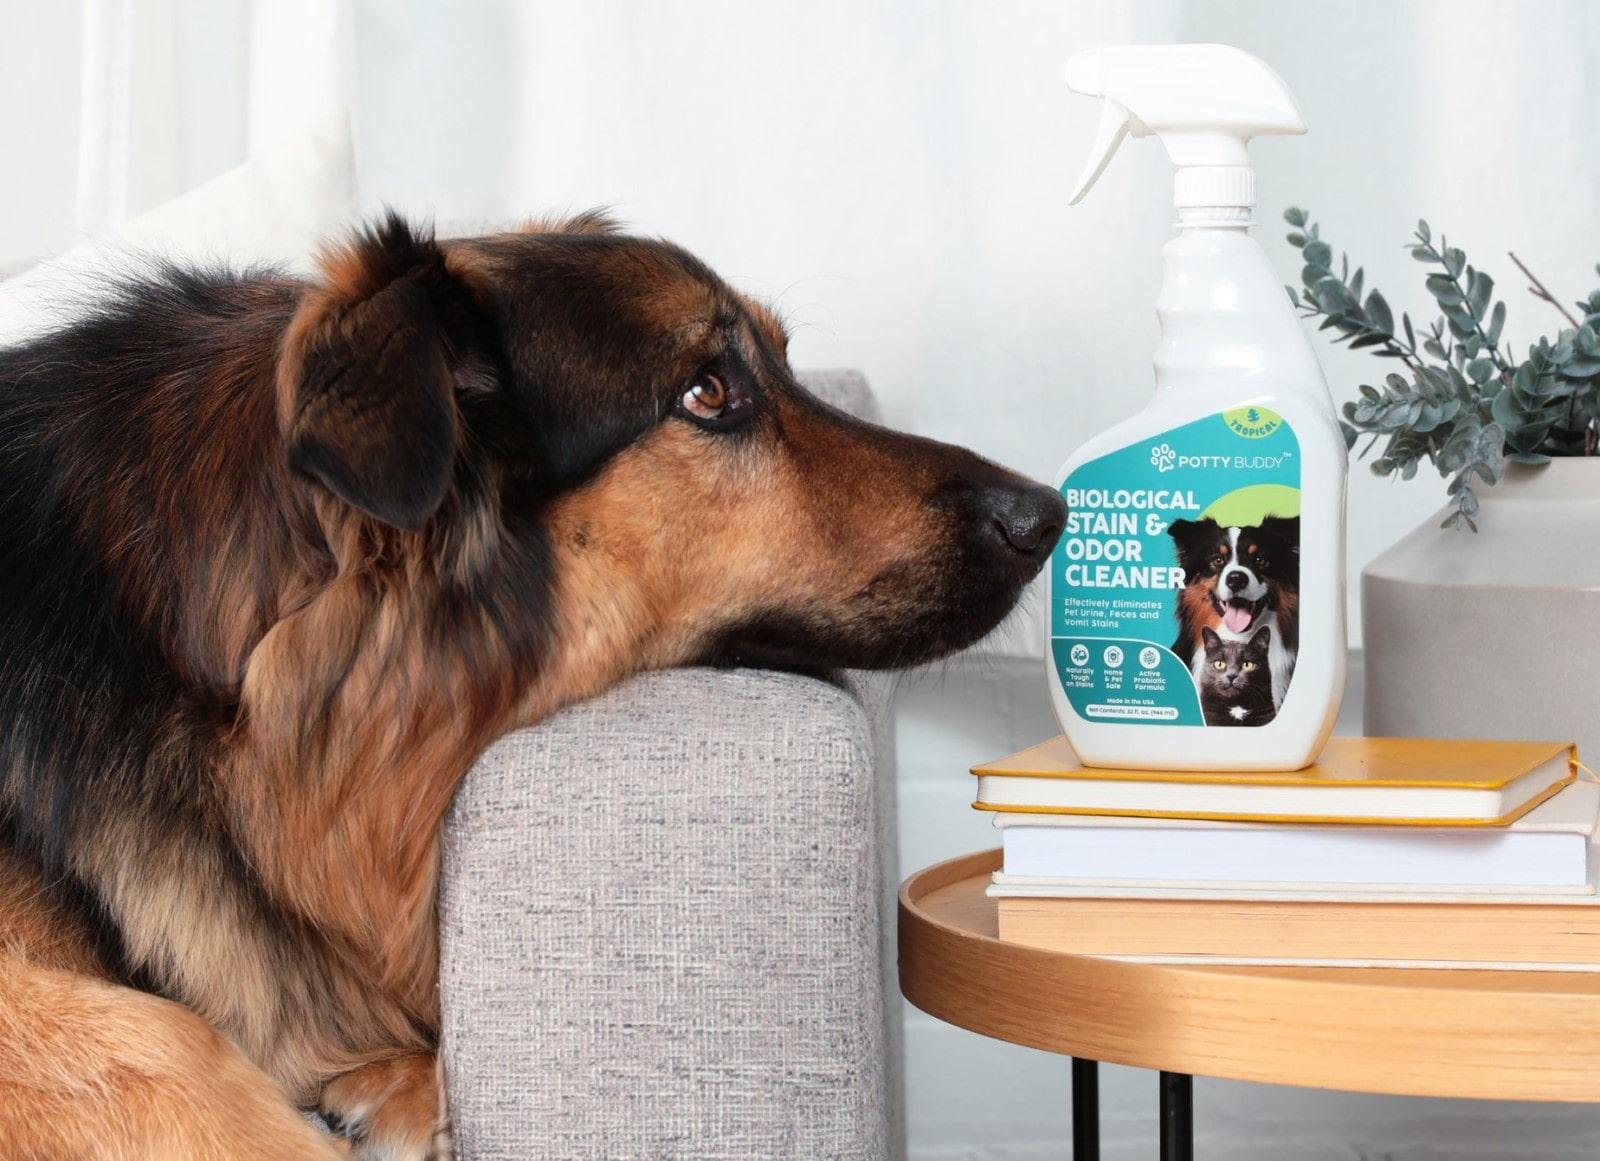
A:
[391,1110]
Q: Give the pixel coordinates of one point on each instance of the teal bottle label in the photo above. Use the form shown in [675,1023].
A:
[1174,591]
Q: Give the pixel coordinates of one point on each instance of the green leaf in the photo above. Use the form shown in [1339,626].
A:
[1454,261]
[1423,232]
[1332,297]
[1429,417]
[1297,239]
[1523,381]
[1377,309]
[1503,407]
[1480,370]
[1524,440]
[1294,299]
[1480,289]
[1444,290]
[1318,254]
[1350,435]
[1295,216]
[1497,320]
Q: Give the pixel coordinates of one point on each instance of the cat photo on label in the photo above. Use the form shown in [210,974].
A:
[1236,680]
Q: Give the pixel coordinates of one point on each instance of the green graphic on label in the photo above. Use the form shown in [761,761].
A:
[1252,422]
[1174,589]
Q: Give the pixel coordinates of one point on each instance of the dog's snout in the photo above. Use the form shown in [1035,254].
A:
[1236,581]
[1030,519]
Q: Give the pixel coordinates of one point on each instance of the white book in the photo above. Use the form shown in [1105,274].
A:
[1547,850]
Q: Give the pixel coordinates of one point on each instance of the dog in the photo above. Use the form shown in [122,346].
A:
[279,558]
[1238,580]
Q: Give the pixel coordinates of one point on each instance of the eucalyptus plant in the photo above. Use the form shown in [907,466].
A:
[1465,402]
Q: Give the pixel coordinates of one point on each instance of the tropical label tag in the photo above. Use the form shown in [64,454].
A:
[1174,590]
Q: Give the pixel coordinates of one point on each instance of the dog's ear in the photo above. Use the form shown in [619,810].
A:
[1188,536]
[368,378]
[1286,528]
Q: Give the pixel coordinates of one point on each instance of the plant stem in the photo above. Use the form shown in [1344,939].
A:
[1538,290]
[1403,351]
[1472,312]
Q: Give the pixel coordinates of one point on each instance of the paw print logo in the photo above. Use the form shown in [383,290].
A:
[1163,458]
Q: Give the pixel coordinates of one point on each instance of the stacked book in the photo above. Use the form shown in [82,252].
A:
[1387,852]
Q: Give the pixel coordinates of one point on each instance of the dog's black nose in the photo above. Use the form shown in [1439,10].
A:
[1031,520]
[1236,581]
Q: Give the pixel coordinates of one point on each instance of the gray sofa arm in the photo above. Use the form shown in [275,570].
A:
[663,916]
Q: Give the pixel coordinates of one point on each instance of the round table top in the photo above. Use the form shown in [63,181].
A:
[1489,1034]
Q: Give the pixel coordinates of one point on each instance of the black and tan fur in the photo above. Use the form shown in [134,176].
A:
[278,559]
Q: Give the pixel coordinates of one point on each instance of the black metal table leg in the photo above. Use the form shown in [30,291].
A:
[1177,1117]
[1085,1110]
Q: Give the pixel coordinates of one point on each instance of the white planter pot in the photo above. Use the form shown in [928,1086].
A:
[1493,635]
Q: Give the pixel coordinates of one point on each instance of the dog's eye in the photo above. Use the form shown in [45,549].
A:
[711,400]
[706,397]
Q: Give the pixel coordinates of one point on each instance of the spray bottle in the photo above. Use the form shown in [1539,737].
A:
[1196,598]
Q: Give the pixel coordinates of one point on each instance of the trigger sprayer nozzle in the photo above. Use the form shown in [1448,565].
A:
[1204,101]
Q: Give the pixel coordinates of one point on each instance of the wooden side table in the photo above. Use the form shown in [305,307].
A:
[1483,1034]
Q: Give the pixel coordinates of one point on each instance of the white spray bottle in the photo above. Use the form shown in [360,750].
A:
[1196,598]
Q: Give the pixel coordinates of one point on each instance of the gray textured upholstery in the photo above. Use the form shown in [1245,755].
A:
[663,921]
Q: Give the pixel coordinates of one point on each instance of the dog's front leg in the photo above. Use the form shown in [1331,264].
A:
[391,1110]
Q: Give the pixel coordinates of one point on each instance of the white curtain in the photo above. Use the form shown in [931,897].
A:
[184,115]
[216,131]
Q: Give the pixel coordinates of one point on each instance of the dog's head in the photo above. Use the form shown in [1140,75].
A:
[595,436]
[1243,570]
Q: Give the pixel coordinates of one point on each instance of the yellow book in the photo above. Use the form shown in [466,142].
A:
[1370,781]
